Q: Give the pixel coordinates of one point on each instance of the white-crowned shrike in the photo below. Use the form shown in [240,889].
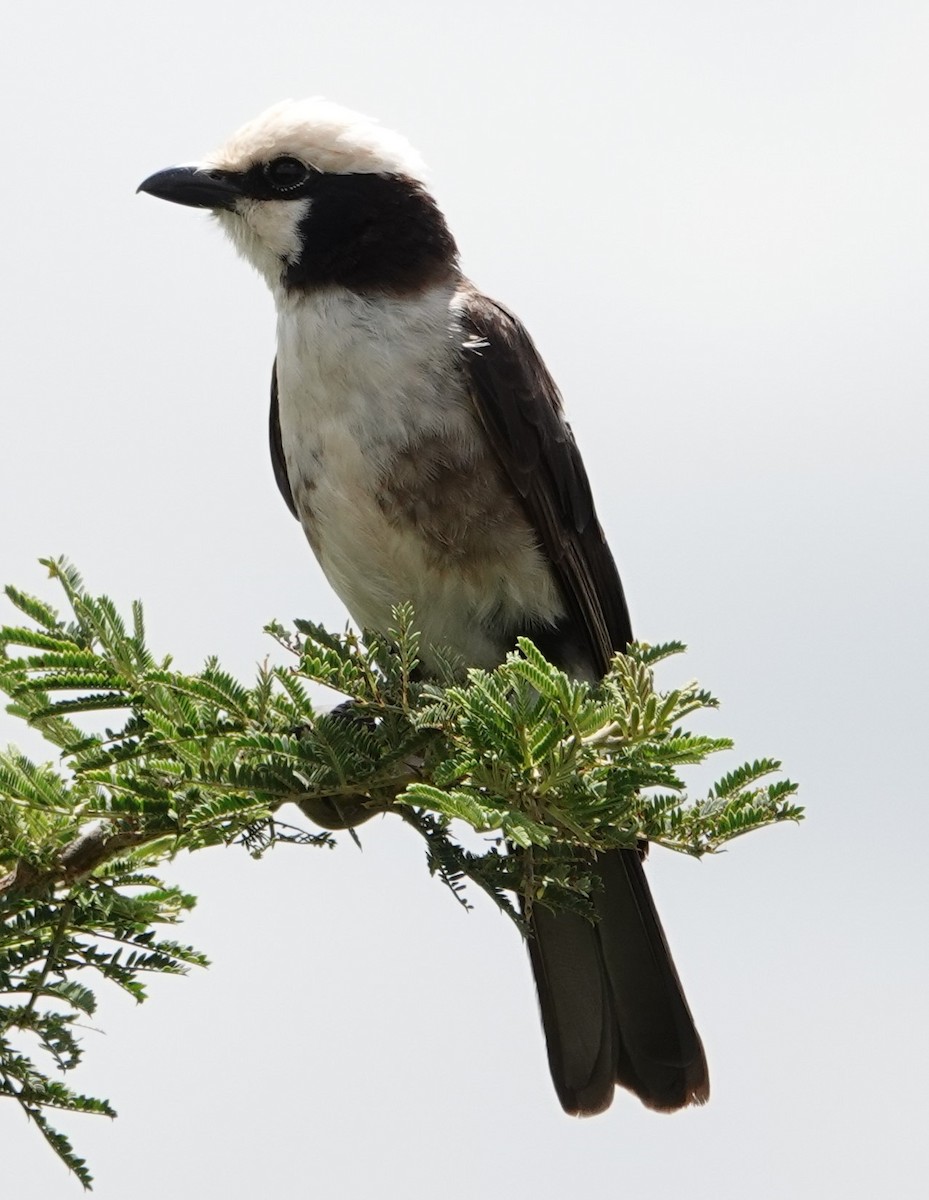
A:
[419,439]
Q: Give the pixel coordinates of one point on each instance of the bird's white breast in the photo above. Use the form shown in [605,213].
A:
[378,432]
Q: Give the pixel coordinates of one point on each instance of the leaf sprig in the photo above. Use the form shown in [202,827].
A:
[554,769]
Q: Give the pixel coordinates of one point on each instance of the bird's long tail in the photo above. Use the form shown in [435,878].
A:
[612,1005]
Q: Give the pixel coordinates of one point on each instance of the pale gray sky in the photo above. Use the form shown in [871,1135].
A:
[713,219]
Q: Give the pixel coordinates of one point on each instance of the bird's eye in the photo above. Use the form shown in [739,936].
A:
[285,174]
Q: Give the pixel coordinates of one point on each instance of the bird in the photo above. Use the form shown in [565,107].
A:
[421,442]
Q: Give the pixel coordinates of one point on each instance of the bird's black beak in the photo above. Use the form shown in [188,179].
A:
[197,187]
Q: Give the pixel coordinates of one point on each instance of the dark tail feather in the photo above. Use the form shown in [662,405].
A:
[612,1005]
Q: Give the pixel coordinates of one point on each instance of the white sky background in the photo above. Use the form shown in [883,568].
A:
[713,219]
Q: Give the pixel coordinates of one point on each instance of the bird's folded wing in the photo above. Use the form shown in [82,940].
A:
[520,408]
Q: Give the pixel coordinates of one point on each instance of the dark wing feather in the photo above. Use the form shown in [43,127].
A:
[520,408]
[277,446]
[612,1005]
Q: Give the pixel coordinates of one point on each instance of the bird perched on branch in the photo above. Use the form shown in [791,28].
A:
[419,439]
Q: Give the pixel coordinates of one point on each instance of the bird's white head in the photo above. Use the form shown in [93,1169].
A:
[326,136]
[303,190]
